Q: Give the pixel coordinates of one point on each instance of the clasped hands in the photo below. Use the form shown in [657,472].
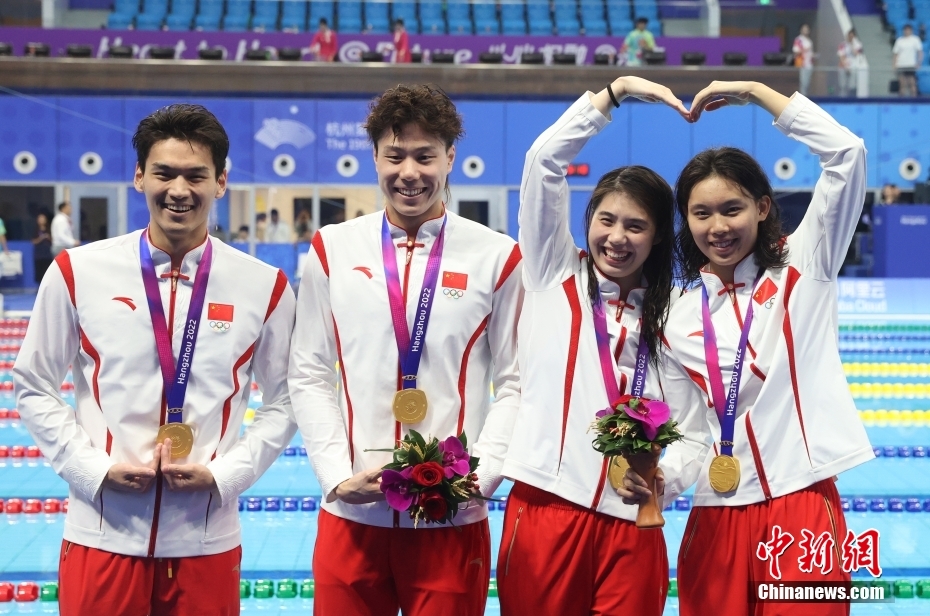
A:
[124,477]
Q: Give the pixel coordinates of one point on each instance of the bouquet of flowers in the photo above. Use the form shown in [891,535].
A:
[637,429]
[430,479]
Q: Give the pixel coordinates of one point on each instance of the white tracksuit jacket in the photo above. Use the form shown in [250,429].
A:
[343,316]
[91,313]
[561,380]
[796,422]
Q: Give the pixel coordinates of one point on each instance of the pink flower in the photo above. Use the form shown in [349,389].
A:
[397,488]
[454,458]
[651,413]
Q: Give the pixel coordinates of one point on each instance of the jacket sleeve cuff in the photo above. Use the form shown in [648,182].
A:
[229,484]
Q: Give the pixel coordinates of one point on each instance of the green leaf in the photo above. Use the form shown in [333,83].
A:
[464,440]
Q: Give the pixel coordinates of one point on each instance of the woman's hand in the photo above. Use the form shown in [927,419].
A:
[737,93]
[636,491]
[640,88]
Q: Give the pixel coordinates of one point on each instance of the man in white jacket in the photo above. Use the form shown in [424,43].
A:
[152,451]
[359,275]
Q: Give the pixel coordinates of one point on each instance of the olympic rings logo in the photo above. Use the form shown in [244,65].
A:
[220,326]
[453,293]
[770,303]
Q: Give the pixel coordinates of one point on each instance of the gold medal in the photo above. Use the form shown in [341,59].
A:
[724,474]
[182,438]
[410,406]
[617,471]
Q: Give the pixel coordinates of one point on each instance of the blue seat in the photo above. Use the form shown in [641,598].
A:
[238,15]
[182,15]
[209,15]
[294,15]
[120,21]
[350,16]
[266,15]
[432,20]
[538,17]
[618,17]
[458,13]
[376,17]
[152,15]
[650,10]
[485,15]
[592,17]
[408,12]
[513,18]
[566,18]
[318,10]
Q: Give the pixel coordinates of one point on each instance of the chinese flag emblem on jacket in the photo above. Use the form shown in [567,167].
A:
[220,316]
[454,280]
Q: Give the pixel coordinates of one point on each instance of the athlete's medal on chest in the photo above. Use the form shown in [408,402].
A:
[410,405]
[724,472]
[176,375]
[182,438]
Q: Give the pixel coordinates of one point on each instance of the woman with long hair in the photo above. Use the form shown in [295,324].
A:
[757,334]
[570,545]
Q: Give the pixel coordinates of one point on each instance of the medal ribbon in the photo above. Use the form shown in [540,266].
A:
[607,364]
[726,411]
[176,388]
[410,348]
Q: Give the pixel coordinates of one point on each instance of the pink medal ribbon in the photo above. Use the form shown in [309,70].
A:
[410,348]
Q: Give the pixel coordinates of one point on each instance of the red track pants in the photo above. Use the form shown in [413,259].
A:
[95,582]
[718,561]
[559,558]
[373,571]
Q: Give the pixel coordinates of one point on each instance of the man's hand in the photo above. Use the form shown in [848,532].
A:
[183,477]
[128,478]
[362,488]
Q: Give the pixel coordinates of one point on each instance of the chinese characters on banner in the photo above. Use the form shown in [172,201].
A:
[818,551]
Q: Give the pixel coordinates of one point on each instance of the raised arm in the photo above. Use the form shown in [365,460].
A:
[545,237]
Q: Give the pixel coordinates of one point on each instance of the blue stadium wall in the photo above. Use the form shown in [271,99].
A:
[319,134]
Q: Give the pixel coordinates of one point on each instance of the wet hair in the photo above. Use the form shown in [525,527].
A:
[738,167]
[653,194]
[191,123]
[427,106]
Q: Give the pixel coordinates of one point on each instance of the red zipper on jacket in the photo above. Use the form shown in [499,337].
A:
[164,408]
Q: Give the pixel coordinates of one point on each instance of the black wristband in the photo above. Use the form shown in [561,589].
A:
[613,97]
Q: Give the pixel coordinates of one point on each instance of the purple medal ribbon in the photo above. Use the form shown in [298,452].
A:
[607,364]
[726,412]
[178,387]
[410,348]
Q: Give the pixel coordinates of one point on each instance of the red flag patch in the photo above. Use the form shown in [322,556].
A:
[765,292]
[454,280]
[220,312]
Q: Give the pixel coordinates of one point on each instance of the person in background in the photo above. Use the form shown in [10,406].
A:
[62,232]
[908,54]
[401,43]
[359,213]
[324,43]
[891,194]
[637,41]
[243,234]
[303,226]
[851,61]
[41,247]
[803,49]
[261,224]
[278,231]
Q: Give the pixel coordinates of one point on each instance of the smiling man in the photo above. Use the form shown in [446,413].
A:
[364,282]
[152,450]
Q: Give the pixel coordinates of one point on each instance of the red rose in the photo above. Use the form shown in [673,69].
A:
[427,474]
[434,504]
